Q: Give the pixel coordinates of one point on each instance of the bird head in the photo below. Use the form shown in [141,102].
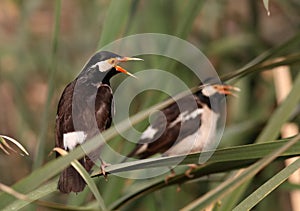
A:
[212,94]
[104,64]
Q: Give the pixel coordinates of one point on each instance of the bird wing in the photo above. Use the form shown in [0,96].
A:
[91,117]
[154,131]
[176,122]
[103,107]
[64,121]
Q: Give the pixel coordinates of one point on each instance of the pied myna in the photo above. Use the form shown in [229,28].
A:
[185,126]
[85,110]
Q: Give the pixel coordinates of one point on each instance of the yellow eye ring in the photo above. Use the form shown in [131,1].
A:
[112,61]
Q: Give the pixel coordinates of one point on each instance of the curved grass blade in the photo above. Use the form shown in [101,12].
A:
[33,196]
[36,195]
[229,154]
[3,142]
[267,65]
[85,175]
[12,192]
[234,182]
[116,18]
[223,160]
[268,187]
[40,149]
[294,41]
[282,113]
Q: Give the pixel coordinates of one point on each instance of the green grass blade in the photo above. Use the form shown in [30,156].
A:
[268,187]
[116,18]
[280,116]
[230,201]
[45,190]
[91,184]
[222,160]
[282,113]
[32,196]
[36,195]
[188,17]
[287,60]
[40,149]
[230,154]
[234,182]
[294,41]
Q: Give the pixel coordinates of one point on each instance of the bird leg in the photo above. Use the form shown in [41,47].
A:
[170,176]
[102,167]
[191,168]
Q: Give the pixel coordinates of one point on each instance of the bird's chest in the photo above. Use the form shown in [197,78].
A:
[93,110]
[82,115]
[203,135]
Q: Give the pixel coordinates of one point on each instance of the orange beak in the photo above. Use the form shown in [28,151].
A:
[125,59]
[120,69]
[226,89]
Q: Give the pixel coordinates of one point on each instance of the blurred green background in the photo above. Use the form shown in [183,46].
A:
[44,45]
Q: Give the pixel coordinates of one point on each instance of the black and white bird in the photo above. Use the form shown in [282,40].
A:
[85,110]
[185,126]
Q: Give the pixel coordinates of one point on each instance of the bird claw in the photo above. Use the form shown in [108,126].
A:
[178,189]
[170,176]
[191,168]
[102,167]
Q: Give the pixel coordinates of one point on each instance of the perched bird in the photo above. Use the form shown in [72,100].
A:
[185,126]
[84,110]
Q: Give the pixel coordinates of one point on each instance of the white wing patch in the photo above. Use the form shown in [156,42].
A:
[185,116]
[72,139]
[179,118]
[193,115]
[149,133]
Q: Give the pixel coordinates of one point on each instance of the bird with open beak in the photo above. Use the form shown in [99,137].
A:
[186,126]
[85,110]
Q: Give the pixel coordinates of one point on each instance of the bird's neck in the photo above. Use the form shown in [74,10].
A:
[203,98]
[213,102]
[93,79]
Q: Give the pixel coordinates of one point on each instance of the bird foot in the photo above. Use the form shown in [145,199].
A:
[102,167]
[178,189]
[191,168]
[170,176]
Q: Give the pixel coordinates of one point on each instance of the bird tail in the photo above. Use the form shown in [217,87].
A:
[70,180]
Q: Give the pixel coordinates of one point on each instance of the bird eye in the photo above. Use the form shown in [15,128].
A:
[112,61]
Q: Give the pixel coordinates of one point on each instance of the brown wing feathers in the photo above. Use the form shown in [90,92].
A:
[70,180]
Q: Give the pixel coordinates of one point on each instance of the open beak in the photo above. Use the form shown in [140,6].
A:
[121,69]
[125,59]
[227,89]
